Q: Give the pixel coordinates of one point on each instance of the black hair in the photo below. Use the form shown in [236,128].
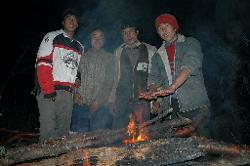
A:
[97,29]
[129,24]
[70,12]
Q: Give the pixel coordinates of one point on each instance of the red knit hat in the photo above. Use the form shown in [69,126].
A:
[166,18]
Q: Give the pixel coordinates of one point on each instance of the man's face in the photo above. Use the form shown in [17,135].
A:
[130,35]
[167,32]
[97,39]
[70,23]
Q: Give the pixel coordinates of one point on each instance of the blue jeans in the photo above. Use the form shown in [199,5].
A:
[80,118]
[101,119]
[83,120]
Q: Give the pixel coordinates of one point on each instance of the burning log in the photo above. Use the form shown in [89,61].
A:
[55,147]
[134,154]
[215,147]
[170,151]
[158,152]
[160,117]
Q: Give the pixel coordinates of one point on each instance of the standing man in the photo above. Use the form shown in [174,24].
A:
[177,74]
[133,62]
[91,110]
[57,63]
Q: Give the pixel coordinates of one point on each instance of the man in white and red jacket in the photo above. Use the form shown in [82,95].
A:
[57,64]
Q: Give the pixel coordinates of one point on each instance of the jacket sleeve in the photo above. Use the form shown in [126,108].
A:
[157,73]
[45,66]
[158,76]
[193,57]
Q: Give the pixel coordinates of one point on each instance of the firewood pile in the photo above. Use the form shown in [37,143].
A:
[106,147]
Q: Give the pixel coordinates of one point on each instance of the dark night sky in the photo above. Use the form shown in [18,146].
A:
[220,25]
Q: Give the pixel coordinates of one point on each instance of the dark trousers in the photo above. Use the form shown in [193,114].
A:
[80,118]
[201,120]
[199,116]
[83,120]
[55,116]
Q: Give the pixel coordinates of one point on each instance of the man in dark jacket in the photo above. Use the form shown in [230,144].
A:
[133,62]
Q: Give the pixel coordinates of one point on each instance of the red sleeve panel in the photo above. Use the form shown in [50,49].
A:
[45,65]
[45,77]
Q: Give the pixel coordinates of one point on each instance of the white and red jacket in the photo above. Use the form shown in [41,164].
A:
[57,62]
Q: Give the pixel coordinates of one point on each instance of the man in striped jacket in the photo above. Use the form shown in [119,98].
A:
[57,64]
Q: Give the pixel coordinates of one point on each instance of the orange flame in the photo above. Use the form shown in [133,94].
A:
[136,134]
[85,158]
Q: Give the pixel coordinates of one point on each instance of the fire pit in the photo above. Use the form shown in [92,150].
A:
[144,143]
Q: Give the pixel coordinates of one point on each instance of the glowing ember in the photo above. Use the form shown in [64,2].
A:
[85,158]
[136,134]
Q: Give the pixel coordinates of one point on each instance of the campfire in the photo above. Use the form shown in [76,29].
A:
[101,148]
[137,134]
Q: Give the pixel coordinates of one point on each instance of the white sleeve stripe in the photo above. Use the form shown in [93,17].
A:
[44,64]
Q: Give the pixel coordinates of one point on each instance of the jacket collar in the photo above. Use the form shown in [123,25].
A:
[137,44]
[180,39]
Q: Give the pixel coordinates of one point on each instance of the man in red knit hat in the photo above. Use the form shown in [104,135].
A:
[167,18]
[181,85]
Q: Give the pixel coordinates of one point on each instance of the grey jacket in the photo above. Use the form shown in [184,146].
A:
[97,76]
[192,94]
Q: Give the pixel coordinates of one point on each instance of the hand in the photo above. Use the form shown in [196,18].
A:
[171,89]
[148,95]
[152,88]
[53,99]
[77,99]
[93,106]
[145,95]
[164,92]
[156,105]
[78,83]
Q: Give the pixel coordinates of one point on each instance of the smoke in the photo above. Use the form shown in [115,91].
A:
[110,15]
[218,24]
[221,37]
